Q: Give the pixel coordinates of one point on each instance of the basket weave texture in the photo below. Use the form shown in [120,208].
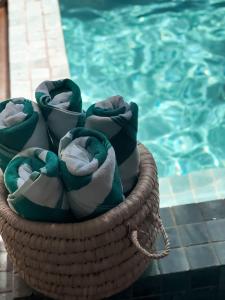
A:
[89,260]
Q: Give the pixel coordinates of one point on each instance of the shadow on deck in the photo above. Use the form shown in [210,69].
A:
[4,69]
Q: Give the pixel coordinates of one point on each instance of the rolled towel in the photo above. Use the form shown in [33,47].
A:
[35,189]
[90,173]
[118,120]
[61,104]
[21,126]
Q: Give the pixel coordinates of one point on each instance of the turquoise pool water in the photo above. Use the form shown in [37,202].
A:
[169,57]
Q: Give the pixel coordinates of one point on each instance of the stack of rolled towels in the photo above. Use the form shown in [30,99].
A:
[62,164]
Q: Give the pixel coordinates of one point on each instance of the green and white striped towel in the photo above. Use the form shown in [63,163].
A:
[21,126]
[61,104]
[118,120]
[35,189]
[90,173]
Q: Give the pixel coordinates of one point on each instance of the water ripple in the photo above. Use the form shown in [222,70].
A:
[167,56]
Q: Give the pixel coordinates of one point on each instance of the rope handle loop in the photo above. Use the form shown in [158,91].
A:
[152,255]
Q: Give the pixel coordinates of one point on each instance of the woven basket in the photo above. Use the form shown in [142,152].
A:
[93,259]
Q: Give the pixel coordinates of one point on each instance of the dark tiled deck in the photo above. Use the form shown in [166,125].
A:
[195,268]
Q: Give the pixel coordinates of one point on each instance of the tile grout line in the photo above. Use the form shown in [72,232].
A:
[44,16]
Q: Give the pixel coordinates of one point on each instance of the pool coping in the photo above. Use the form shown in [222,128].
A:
[37,55]
[195,187]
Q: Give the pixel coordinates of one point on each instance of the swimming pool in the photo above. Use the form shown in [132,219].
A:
[168,56]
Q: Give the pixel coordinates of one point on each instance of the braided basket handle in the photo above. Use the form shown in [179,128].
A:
[153,255]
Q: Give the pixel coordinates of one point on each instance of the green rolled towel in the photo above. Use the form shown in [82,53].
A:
[21,126]
[35,189]
[118,120]
[61,104]
[90,173]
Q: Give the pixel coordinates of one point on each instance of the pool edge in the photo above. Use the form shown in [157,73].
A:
[195,187]
[37,55]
